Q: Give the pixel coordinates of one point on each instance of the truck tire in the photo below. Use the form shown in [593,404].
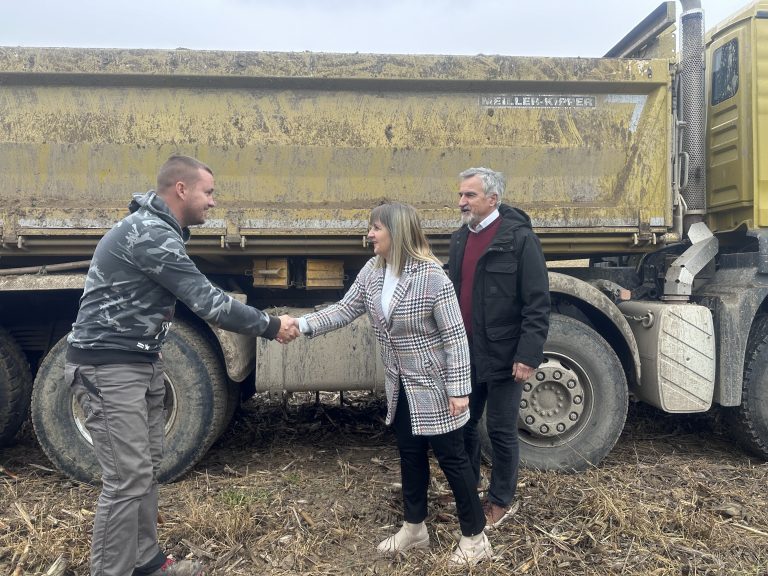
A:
[574,407]
[233,392]
[196,408]
[15,387]
[748,423]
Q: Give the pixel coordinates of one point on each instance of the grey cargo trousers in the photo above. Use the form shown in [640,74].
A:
[123,407]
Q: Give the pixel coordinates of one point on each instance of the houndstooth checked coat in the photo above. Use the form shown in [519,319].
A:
[423,343]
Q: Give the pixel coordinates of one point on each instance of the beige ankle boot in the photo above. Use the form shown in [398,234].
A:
[472,549]
[409,536]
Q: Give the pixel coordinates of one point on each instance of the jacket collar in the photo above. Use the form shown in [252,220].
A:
[401,290]
[153,203]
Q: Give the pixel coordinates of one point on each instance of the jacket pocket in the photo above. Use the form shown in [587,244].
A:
[502,266]
[501,277]
[82,382]
[495,333]
[434,374]
[501,343]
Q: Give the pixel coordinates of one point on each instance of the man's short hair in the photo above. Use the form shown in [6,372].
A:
[493,182]
[179,168]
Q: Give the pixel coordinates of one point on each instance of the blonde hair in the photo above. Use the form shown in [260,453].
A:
[407,237]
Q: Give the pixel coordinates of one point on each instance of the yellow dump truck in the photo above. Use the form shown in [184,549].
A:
[648,165]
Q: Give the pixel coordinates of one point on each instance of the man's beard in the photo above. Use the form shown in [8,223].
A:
[468,218]
[198,218]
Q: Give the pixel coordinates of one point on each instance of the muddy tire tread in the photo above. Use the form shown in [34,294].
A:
[15,387]
[749,421]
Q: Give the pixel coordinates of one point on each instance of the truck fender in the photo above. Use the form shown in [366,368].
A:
[239,352]
[736,295]
[579,290]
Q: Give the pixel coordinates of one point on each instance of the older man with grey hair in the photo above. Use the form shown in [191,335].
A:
[498,269]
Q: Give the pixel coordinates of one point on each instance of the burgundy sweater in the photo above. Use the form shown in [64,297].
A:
[477,243]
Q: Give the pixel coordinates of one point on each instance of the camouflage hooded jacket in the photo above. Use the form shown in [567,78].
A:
[138,271]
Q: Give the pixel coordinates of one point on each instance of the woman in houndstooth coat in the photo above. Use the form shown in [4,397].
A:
[413,308]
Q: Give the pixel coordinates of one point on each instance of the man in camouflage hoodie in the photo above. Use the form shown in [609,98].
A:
[114,366]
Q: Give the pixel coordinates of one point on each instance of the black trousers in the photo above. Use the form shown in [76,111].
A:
[501,401]
[454,462]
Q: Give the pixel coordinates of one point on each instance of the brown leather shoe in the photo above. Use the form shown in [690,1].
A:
[496,515]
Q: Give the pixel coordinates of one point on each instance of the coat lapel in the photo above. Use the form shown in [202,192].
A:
[376,285]
[401,290]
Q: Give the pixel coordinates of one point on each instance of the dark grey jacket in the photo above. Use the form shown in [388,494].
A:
[139,269]
[510,296]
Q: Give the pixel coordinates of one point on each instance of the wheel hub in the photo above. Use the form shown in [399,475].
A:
[552,401]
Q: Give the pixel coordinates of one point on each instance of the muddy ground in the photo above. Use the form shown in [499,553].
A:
[306,488]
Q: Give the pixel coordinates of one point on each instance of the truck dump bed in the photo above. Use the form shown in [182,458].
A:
[304,144]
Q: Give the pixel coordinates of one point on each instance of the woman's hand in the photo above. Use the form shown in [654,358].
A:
[458,404]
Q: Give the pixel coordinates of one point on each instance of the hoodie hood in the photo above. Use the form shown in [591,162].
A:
[152,202]
[516,216]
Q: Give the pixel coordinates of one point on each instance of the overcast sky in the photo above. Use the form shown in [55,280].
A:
[512,27]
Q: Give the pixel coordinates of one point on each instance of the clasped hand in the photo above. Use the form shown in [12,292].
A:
[289,329]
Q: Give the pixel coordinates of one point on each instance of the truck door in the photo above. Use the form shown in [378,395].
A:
[737,57]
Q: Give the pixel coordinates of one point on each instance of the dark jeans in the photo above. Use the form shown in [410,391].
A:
[501,401]
[414,469]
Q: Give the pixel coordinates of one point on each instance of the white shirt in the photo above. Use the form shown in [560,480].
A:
[388,290]
[487,221]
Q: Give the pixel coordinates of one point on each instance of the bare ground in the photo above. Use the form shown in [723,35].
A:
[305,488]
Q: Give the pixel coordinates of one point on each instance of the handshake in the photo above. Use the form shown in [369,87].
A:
[289,329]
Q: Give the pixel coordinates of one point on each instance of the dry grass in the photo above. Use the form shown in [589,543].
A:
[310,489]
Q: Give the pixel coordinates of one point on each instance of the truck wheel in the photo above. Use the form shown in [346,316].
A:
[574,407]
[195,402]
[748,423]
[15,387]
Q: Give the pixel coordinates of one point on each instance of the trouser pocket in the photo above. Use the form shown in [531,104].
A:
[83,381]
